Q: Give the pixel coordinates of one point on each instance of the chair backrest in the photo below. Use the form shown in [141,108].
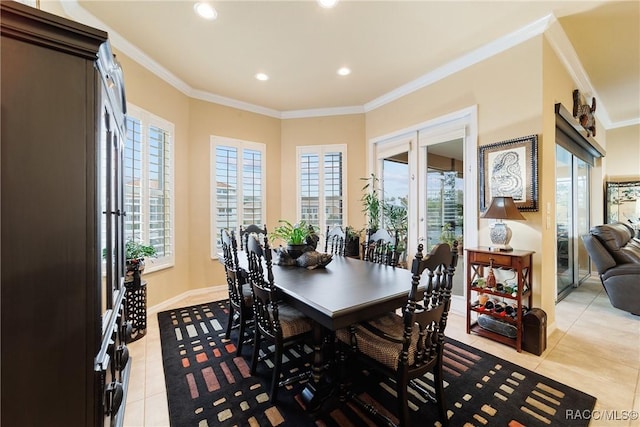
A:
[245,232]
[260,276]
[381,247]
[425,320]
[235,280]
[334,241]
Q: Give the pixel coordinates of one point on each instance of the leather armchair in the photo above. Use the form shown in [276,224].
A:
[615,252]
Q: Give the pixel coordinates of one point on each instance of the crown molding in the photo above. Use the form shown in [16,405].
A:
[234,103]
[563,48]
[323,112]
[482,53]
[547,25]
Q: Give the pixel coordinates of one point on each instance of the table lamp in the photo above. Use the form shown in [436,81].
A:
[501,208]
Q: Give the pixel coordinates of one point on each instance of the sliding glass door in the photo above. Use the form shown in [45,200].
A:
[572,220]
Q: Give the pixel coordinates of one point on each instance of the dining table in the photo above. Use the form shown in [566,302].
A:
[342,293]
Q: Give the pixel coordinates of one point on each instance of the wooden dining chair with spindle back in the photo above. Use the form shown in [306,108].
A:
[240,296]
[406,347]
[246,231]
[334,240]
[381,247]
[276,322]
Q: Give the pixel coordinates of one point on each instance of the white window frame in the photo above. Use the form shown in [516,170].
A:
[240,145]
[148,119]
[320,151]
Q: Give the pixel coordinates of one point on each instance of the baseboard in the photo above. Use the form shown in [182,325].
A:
[165,305]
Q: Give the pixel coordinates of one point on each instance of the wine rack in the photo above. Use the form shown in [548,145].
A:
[520,297]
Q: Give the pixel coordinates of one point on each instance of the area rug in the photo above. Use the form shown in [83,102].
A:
[208,385]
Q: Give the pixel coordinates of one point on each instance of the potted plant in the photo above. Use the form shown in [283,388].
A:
[371,203]
[135,253]
[352,242]
[395,218]
[297,236]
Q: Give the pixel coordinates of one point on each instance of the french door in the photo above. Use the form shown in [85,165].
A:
[431,169]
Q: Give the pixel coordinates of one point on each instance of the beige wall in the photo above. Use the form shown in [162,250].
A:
[207,119]
[195,122]
[147,91]
[348,130]
[507,89]
[623,154]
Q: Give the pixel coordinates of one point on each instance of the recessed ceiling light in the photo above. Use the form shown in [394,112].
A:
[205,10]
[327,4]
[262,77]
[344,71]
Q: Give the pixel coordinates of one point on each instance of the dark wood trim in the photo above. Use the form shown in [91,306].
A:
[34,26]
[576,133]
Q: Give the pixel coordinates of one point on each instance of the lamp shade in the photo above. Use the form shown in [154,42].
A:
[503,208]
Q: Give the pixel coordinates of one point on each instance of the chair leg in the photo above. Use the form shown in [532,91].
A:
[277,365]
[342,373]
[240,335]
[439,386]
[256,351]
[403,404]
[229,322]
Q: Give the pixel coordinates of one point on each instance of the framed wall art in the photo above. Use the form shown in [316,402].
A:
[510,168]
[622,203]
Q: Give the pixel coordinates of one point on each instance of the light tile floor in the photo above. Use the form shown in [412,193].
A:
[594,348]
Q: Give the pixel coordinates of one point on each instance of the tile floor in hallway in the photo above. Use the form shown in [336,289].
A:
[594,348]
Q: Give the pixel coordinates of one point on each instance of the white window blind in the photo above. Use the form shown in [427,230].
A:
[148,184]
[322,188]
[237,186]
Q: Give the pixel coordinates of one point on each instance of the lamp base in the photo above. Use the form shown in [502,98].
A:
[500,236]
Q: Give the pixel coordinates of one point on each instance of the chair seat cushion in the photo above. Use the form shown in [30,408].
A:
[292,321]
[376,347]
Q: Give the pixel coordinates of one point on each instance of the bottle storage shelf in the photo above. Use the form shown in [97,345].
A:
[498,325]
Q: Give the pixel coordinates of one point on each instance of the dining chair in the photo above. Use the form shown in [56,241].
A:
[334,241]
[380,247]
[240,296]
[406,347]
[275,321]
[245,232]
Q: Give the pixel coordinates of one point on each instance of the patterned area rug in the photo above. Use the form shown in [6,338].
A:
[208,385]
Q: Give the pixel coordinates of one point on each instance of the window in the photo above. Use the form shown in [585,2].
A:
[148,184]
[238,186]
[322,189]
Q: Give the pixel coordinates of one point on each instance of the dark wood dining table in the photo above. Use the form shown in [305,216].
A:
[344,292]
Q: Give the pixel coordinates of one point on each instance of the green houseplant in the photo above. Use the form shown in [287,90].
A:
[297,236]
[135,254]
[352,242]
[371,203]
[136,250]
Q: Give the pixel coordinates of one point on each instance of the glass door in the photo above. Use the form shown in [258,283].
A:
[441,198]
[395,180]
[393,170]
[572,221]
[433,166]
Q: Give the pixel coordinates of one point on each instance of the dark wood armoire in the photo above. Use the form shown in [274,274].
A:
[64,360]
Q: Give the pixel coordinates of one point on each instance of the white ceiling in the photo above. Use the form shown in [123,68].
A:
[393,47]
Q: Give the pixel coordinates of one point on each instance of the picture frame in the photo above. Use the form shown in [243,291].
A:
[622,202]
[510,168]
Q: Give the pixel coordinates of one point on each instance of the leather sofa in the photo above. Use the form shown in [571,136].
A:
[615,252]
